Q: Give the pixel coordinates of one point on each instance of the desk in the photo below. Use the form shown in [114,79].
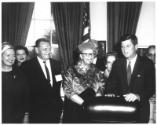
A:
[112,110]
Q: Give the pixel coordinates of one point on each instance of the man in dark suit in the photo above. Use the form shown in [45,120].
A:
[44,78]
[133,77]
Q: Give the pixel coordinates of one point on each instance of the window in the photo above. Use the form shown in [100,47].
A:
[42,23]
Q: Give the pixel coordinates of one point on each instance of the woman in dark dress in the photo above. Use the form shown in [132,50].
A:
[14,89]
[82,82]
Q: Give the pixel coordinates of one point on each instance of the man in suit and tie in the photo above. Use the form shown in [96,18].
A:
[133,77]
[43,76]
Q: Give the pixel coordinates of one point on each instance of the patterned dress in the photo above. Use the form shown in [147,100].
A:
[77,80]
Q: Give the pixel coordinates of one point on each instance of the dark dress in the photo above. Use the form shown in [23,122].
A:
[14,97]
[81,83]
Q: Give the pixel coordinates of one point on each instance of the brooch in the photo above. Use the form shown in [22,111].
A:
[138,75]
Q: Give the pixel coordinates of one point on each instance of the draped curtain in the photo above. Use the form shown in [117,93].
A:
[122,18]
[68,23]
[16,18]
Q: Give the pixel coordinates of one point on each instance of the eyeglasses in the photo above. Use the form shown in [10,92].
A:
[88,54]
[150,54]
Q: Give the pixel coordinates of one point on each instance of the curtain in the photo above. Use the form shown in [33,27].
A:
[68,23]
[16,18]
[122,18]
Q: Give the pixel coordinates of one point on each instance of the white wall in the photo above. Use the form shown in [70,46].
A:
[98,18]
[146,25]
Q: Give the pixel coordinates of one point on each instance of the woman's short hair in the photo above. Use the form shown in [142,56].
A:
[19,47]
[91,44]
[111,54]
[6,46]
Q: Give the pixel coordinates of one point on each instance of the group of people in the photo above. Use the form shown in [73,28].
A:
[31,89]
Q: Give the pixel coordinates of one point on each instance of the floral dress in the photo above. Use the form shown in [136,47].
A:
[77,79]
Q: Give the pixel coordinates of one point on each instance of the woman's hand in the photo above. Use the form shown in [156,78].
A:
[77,99]
[98,85]
[26,118]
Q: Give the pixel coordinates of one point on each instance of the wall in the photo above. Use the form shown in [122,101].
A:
[98,17]
[146,25]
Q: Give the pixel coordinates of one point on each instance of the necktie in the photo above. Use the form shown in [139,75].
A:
[129,73]
[47,71]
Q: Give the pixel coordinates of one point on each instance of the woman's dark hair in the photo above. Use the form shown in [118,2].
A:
[19,47]
[111,54]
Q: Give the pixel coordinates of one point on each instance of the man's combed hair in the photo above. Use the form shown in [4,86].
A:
[38,41]
[129,36]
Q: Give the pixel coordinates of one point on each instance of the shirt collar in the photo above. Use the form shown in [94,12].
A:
[133,60]
[41,60]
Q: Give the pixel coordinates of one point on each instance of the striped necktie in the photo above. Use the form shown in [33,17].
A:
[47,71]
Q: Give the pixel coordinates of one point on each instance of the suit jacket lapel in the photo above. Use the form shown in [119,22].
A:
[53,70]
[135,70]
[124,73]
[39,69]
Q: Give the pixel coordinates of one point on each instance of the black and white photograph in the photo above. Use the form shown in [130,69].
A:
[78,62]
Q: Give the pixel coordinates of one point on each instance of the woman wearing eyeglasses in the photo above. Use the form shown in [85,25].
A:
[82,82]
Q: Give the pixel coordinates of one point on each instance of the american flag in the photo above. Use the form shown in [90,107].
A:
[86,23]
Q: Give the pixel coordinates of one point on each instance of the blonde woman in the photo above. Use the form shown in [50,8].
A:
[14,90]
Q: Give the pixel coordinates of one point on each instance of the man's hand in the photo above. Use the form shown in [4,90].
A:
[131,97]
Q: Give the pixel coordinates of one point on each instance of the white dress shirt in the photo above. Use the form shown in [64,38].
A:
[132,63]
[41,62]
